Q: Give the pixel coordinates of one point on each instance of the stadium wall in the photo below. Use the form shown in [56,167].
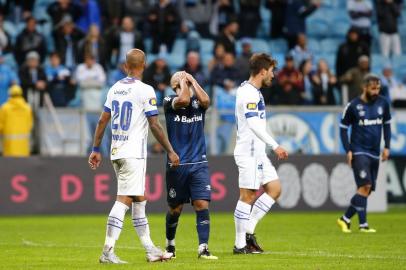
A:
[65,185]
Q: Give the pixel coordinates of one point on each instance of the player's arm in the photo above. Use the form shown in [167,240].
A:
[387,133]
[201,95]
[346,121]
[160,136]
[183,99]
[95,157]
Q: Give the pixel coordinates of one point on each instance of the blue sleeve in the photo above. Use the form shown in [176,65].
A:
[344,139]
[346,122]
[386,126]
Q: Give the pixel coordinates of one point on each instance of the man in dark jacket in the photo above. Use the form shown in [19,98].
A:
[295,18]
[349,52]
[228,36]
[29,40]
[277,8]
[388,12]
[61,8]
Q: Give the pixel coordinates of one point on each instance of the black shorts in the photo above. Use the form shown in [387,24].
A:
[188,182]
[365,170]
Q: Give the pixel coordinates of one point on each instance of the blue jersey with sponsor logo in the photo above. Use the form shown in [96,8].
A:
[366,121]
[185,129]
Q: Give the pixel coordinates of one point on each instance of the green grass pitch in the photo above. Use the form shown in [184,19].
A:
[291,240]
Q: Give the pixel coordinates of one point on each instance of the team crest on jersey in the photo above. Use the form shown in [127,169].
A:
[380,110]
[113,151]
[172,193]
[361,113]
[195,104]
[252,106]
[362,174]
[360,107]
[152,101]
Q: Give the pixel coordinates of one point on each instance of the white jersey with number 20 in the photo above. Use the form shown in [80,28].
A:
[130,102]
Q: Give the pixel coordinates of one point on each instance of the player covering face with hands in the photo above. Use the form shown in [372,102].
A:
[185,115]
[254,167]
[131,106]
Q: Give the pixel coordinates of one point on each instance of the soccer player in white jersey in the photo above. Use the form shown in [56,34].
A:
[131,106]
[254,167]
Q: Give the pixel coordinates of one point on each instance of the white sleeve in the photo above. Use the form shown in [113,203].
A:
[107,104]
[250,102]
[260,132]
[149,102]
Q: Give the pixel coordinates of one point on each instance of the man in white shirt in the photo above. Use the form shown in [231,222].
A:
[131,105]
[254,167]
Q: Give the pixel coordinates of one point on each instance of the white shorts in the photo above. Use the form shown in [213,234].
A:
[130,173]
[254,172]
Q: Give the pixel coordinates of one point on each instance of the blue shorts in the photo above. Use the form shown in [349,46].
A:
[188,182]
[365,170]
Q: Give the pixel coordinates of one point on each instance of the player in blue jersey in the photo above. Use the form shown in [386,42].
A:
[185,116]
[366,115]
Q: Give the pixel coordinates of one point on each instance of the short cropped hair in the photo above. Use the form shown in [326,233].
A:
[259,61]
[370,77]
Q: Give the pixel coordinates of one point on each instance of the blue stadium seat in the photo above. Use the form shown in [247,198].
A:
[151,58]
[11,29]
[260,45]
[10,61]
[179,47]
[206,46]
[278,46]
[175,60]
[280,58]
[148,45]
[313,45]
[399,61]
[205,58]
[377,62]
[317,28]
[329,58]
[339,27]
[330,45]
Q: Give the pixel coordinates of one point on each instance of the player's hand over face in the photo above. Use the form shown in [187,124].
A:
[281,153]
[94,160]
[385,154]
[173,159]
[349,158]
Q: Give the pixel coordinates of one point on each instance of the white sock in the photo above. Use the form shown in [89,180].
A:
[261,206]
[114,224]
[170,242]
[241,216]
[140,223]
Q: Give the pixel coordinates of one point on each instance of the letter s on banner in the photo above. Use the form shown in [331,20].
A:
[16,184]
[220,189]
[71,180]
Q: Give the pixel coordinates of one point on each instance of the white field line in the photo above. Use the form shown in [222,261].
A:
[286,253]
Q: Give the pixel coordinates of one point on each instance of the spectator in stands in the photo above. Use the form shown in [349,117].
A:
[324,83]
[307,89]
[91,79]
[300,52]
[138,11]
[392,88]
[199,12]
[354,76]
[61,86]
[223,12]
[226,75]
[388,13]
[228,37]
[67,37]
[29,40]
[164,21]
[194,68]
[242,61]
[278,10]
[349,52]
[16,122]
[249,17]
[7,78]
[89,15]
[61,8]
[93,44]
[289,83]
[218,55]
[5,40]
[360,12]
[124,40]
[111,12]
[33,80]
[191,36]
[18,10]
[157,75]
[117,74]
[295,18]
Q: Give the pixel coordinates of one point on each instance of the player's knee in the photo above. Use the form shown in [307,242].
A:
[274,189]
[248,197]
[365,190]
[199,205]
[175,209]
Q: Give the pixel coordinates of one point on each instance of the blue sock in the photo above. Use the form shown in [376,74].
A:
[171,225]
[203,225]
[351,209]
[359,202]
